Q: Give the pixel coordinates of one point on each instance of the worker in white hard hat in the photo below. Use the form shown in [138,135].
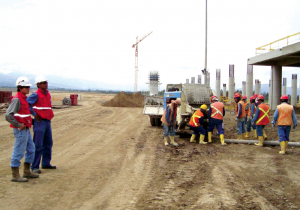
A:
[41,108]
[18,115]
[196,124]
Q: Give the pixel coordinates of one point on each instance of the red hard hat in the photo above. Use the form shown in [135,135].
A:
[255,95]
[244,97]
[251,98]
[213,98]
[284,97]
[237,95]
[260,97]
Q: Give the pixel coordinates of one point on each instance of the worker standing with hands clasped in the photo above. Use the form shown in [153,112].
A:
[240,116]
[251,113]
[285,114]
[41,108]
[169,121]
[196,124]
[215,116]
[247,105]
[261,119]
[18,115]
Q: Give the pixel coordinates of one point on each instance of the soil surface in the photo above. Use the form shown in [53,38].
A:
[112,158]
[126,100]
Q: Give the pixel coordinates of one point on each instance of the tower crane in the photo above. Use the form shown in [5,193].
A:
[136,60]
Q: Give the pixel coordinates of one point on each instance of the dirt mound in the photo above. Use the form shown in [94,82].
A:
[126,100]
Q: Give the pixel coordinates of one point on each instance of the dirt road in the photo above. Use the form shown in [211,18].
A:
[111,158]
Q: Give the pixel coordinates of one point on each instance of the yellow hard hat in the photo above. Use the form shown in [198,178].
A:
[203,106]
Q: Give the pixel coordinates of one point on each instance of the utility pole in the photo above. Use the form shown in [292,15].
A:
[205,67]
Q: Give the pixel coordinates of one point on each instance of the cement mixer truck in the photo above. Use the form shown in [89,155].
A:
[192,97]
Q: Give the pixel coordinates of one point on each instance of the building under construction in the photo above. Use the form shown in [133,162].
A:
[153,83]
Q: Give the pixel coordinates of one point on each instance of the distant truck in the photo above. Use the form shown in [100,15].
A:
[192,97]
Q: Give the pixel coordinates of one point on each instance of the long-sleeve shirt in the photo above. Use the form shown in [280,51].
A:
[252,109]
[13,108]
[209,113]
[256,115]
[247,106]
[239,110]
[277,113]
[32,99]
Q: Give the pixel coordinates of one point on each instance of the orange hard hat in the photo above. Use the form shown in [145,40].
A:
[261,97]
[284,97]
[237,95]
[213,98]
[244,97]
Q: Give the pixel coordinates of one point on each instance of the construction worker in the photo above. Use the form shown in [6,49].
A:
[285,114]
[240,116]
[169,121]
[215,116]
[251,113]
[18,115]
[261,119]
[247,105]
[196,124]
[41,108]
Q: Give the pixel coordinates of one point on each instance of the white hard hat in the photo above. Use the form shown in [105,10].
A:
[23,81]
[40,78]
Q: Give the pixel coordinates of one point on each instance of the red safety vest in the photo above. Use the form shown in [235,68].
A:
[217,110]
[264,114]
[43,105]
[194,121]
[23,115]
[243,109]
[285,114]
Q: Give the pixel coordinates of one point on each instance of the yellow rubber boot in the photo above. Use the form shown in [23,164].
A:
[209,137]
[173,141]
[243,136]
[239,137]
[282,146]
[260,141]
[193,138]
[166,141]
[264,135]
[222,139]
[255,133]
[247,134]
[202,139]
[286,145]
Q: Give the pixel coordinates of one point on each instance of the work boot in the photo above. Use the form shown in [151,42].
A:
[209,137]
[255,133]
[243,136]
[193,138]
[16,176]
[173,141]
[222,139]
[247,134]
[282,146]
[166,141]
[27,173]
[264,135]
[260,141]
[239,137]
[286,145]
[202,139]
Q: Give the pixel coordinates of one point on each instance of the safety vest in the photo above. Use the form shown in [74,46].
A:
[43,105]
[249,113]
[173,108]
[217,110]
[243,109]
[285,114]
[264,114]
[23,115]
[194,121]
[246,111]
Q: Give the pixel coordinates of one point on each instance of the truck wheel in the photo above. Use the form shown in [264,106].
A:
[157,122]
[152,121]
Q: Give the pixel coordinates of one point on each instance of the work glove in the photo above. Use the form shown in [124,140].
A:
[236,119]
[294,127]
[273,126]
[252,123]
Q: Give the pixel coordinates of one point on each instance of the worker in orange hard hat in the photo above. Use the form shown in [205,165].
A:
[261,119]
[285,114]
[247,105]
[251,112]
[240,116]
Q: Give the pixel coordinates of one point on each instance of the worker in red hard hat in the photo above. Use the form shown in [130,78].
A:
[247,105]
[240,116]
[285,114]
[251,113]
[261,119]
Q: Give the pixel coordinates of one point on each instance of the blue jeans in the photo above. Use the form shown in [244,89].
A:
[259,130]
[215,123]
[284,133]
[249,126]
[23,143]
[43,143]
[198,130]
[169,130]
[240,126]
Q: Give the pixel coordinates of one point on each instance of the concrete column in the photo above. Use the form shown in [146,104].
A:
[270,92]
[276,77]
[192,80]
[257,86]
[283,86]
[244,88]
[199,79]
[208,78]
[224,90]
[187,81]
[294,90]
[249,84]
[231,82]
[259,89]
[218,82]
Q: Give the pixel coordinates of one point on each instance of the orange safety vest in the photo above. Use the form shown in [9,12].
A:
[246,111]
[217,110]
[249,113]
[285,114]
[173,108]
[264,114]
[194,121]
[243,109]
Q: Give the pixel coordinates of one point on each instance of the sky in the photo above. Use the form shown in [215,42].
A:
[92,39]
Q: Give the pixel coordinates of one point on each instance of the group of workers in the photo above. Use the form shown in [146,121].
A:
[254,114]
[18,115]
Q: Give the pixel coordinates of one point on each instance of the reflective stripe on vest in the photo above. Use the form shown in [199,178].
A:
[34,107]
[22,115]
[216,111]
[285,113]
[194,119]
[265,115]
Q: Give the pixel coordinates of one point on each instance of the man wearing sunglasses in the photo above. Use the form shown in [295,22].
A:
[41,108]
[18,115]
